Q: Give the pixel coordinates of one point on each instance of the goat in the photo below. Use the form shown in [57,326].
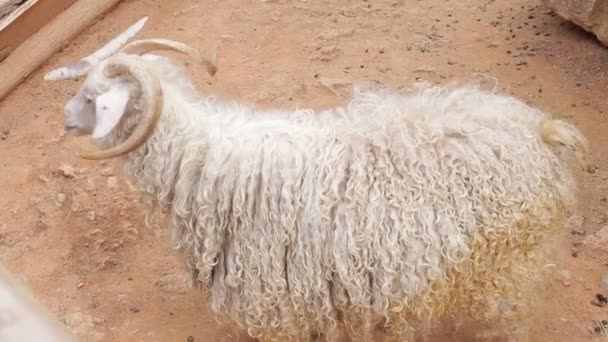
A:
[395,208]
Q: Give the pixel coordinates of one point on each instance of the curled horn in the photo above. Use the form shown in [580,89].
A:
[146,45]
[80,68]
[152,98]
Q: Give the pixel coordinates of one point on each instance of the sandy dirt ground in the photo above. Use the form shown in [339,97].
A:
[73,230]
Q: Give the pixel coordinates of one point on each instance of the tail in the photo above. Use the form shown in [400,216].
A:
[558,132]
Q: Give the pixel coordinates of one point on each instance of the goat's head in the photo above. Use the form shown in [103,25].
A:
[118,82]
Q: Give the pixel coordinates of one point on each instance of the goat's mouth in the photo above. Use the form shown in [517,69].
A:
[73,130]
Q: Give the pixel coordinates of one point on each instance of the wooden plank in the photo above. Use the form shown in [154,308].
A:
[26,20]
[8,6]
[50,39]
[13,12]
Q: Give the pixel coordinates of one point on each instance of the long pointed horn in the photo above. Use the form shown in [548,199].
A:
[152,97]
[82,67]
[146,45]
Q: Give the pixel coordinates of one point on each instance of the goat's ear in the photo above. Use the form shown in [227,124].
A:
[109,108]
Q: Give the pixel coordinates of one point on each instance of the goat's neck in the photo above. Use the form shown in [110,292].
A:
[157,165]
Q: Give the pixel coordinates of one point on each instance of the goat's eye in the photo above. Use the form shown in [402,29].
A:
[89,101]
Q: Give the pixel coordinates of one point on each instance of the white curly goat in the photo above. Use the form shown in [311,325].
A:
[396,208]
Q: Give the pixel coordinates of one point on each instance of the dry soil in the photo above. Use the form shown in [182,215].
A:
[72,229]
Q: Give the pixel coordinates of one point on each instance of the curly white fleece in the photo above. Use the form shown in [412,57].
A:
[296,220]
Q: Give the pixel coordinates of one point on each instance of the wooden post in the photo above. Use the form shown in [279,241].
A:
[53,36]
[26,19]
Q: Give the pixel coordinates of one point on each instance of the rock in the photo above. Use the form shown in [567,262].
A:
[91,215]
[604,283]
[575,223]
[328,53]
[112,182]
[85,326]
[565,275]
[592,168]
[90,186]
[67,171]
[591,15]
[106,172]
[134,308]
[598,240]
[173,284]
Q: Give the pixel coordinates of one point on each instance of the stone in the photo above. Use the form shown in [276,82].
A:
[84,326]
[604,283]
[91,215]
[575,223]
[598,240]
[170,285]
[106,172]
[590,15]
[67,171]
[112,182]
[565,275]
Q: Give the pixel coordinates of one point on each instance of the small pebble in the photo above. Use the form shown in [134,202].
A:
[592,168]
[67,171]
[190,339]
[106,172]
[604,283]
[565,275]
[91,216]
[112,182]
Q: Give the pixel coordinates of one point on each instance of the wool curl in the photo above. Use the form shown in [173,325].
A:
[395,209]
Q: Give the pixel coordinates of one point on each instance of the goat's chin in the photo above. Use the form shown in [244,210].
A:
[76,132]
